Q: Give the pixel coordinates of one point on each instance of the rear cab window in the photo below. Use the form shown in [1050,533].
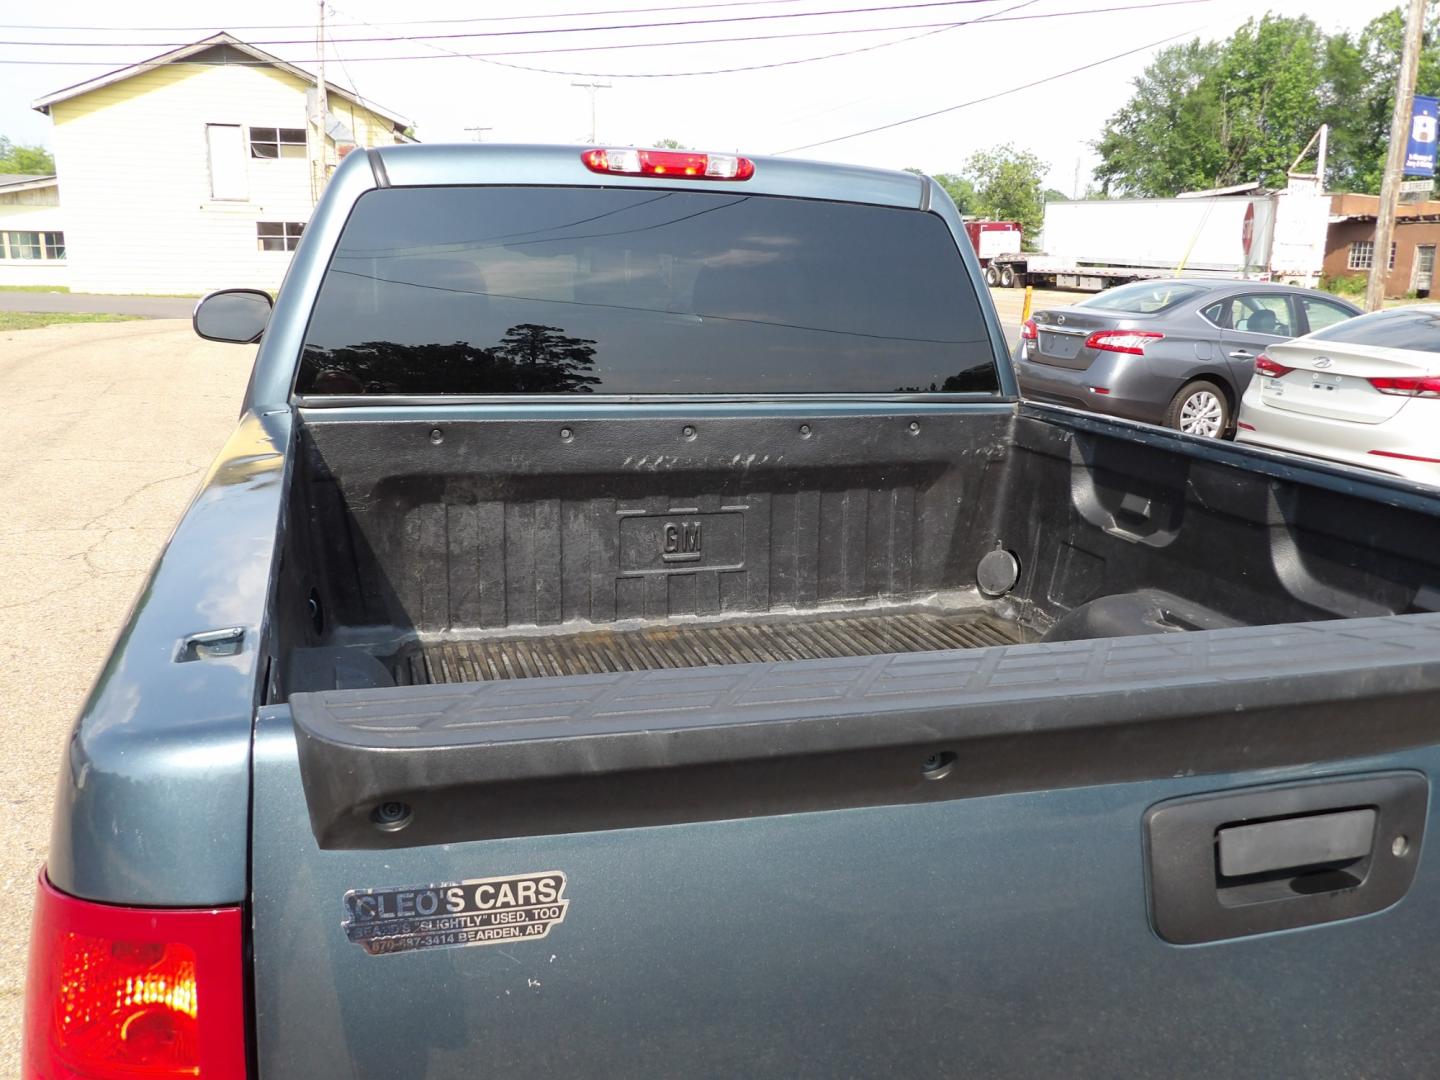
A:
[1143,297]
[639,291]
[1402,328]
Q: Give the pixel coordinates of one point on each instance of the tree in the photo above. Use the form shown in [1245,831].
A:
[545,359]
[1270,88]
[1213,114]
[1055,195]
[1360,80]
[18,158]
[1163,140]
[960,190]
[529,359]
[1009,186]
[669,144]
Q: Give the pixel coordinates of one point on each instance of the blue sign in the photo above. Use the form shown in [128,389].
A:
[1424,123]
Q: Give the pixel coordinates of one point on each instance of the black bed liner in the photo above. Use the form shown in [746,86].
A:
[629,749]
[692,645]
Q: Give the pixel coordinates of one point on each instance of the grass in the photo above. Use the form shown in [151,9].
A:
[66,289]
[148,295]
[33,320]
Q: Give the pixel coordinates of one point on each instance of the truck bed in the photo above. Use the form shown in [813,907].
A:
[697,644]
[519,547]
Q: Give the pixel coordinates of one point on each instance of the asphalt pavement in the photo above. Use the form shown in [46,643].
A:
[149,307]
[110,427]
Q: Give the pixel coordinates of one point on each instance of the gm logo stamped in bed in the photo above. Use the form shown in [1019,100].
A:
[485,911]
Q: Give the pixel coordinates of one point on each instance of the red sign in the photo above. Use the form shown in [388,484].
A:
[1247,231]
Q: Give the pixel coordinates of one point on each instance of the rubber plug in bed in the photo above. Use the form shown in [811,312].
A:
[391,816]
[997,573]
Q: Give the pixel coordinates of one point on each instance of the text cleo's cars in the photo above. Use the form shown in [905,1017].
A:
[1364,392]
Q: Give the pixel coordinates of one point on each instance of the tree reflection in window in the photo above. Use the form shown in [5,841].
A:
[529,359]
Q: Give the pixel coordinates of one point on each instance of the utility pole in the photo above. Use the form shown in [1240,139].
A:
[1395,160]
[479,132]
[321,118]
[594,88]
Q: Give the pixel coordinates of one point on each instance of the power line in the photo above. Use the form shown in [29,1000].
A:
[354,86]
[630,45]
[826,13]
[988,97]
[715,71]
[411,22]
[994,16]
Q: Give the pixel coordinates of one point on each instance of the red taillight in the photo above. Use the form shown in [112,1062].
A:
[1029,332]
[1265,366]
[133,993]
[677,163]
[1417,386]
[1122,341]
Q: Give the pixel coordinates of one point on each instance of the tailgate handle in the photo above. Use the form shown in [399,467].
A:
[1295,843]
[1227,864]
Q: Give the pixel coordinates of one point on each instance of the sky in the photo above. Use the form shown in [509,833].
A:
[764,111]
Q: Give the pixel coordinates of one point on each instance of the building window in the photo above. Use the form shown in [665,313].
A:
[277,142]
[23,245]
[279,235]
[32,245]
[1362,255]
[226,145]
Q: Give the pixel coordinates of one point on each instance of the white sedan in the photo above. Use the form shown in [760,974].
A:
[1364,392]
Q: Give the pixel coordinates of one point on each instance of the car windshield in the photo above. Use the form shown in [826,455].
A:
[532,290]
[1416,329]
[1143,297]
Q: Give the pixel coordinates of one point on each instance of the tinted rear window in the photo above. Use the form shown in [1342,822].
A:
[1404,328]
[635,291]
[1143,297]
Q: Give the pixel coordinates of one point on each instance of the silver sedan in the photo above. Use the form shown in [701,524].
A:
[1178,352]
[1366,393]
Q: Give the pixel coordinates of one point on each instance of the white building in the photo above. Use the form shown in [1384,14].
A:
[196,169]
[32,240]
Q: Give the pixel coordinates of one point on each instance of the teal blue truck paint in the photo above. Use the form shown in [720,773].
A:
[636,629]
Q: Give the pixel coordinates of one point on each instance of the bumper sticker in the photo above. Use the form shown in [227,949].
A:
[482,911]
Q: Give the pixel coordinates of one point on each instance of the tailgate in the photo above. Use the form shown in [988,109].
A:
[866,866]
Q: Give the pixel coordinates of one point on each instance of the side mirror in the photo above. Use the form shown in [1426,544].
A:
[234,315]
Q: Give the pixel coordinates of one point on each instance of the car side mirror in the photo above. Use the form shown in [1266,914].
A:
[234,315]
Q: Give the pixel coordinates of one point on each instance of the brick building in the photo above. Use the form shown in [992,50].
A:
[1350,243]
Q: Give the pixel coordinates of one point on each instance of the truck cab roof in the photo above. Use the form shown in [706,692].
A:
[533,164]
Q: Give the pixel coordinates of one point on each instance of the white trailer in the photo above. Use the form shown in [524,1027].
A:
[1094,244]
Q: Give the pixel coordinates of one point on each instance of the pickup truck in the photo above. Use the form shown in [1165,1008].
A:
[635,629]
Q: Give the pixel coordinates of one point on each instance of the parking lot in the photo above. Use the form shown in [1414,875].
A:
[109,428]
